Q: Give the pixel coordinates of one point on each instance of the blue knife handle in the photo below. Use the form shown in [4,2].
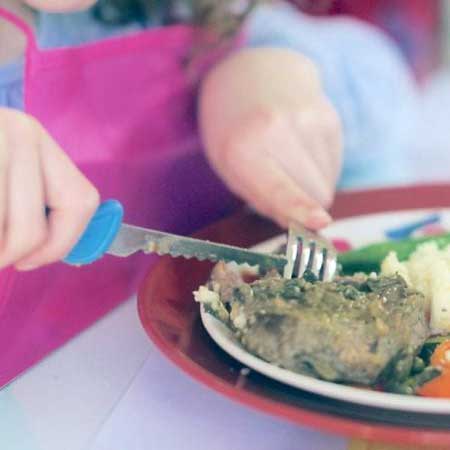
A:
[99,234]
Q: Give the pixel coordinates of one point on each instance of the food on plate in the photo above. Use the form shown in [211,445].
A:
[427,270]
[368,258]
[389,330]
[440,360]
[364,329]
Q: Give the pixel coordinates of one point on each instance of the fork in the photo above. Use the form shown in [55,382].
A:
[307,251]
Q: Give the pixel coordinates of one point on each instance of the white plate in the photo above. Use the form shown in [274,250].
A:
[357,231]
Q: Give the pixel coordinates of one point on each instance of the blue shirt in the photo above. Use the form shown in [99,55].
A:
[363,74]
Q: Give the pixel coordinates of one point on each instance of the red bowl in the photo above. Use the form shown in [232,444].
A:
[172,321]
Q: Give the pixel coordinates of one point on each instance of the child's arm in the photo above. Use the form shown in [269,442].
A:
[272,135]
[34,174]
[359,71]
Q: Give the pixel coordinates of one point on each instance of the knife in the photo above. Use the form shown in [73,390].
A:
[106,233]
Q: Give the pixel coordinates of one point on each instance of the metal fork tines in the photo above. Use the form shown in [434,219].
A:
[308,251]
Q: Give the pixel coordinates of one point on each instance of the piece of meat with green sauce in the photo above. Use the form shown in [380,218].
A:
[353,330]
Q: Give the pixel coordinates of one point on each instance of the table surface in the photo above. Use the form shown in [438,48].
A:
[111,389]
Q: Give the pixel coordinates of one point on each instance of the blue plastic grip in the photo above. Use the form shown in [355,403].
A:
[99,234]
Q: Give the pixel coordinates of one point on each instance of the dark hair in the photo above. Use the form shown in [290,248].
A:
[222,16]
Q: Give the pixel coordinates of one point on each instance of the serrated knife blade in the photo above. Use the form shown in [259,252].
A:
[131,239]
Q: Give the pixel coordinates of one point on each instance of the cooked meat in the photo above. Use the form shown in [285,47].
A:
[348,330]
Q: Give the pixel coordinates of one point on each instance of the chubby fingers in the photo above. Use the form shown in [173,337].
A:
[252,172]
[22,215]
[72,201]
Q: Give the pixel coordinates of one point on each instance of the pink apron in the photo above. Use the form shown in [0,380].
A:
[124,109]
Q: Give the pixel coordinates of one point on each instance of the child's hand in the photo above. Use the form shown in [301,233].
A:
[272,135]
[34,174]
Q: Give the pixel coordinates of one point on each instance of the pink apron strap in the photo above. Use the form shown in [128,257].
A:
[21,24]
[31,49]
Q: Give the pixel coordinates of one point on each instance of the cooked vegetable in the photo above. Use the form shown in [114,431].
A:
[438,387]
[440,360]
[430,345]
[441,356]
[418,365]
[368,259]
[414,384]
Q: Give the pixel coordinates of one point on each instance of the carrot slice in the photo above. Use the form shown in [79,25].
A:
[439,386]
[441,356]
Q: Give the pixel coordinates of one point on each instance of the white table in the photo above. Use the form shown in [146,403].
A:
[110,389]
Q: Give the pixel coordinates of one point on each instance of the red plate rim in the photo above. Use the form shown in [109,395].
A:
[347,204]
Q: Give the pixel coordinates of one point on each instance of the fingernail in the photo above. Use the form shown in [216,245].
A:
[318,218]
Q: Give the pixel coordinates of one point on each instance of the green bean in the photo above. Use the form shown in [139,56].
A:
[411,384]
[418,365]
[369,258]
